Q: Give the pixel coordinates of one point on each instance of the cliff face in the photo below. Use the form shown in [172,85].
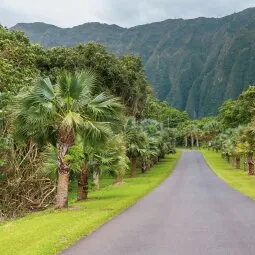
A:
[193,64]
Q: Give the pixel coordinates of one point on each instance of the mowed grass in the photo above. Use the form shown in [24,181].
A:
[238,179]
[49,232]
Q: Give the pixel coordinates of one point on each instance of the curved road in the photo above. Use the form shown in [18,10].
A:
[192,212]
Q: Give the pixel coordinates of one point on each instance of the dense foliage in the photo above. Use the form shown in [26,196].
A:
[72,115]
[232,132]
[193,64]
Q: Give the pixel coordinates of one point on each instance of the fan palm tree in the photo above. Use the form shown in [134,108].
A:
[58,113]
[249,139]
[109,159]
[136,143]
[238,146]
[153,130]
[210,130]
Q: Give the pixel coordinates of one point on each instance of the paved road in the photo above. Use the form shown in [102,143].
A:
[191,213]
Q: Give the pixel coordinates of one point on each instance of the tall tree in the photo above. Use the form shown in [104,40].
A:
[136,143]
[58,113]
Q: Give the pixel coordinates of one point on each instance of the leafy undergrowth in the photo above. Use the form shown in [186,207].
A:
[237,179]
[49,232]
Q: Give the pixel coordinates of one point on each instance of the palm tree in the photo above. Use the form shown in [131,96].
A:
[58,113]
[249,138]
[89,148]
[238,146]
[161,140]
[117,154]
[231,145]
[110,159]
[136,143]
[210,130]
[150,155]
[190,130]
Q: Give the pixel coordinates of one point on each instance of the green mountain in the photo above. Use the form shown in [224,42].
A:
[194,64]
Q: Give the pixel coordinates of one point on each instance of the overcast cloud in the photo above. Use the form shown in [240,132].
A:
[126,13]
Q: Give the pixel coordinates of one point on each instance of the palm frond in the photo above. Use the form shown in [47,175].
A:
[72,120]
[44,89]
[94,132]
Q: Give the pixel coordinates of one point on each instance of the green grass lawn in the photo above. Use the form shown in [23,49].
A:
[49,232]
[238,179]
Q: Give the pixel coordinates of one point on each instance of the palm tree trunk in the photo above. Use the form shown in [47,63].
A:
[245,163]
[144,167]
[62,190]
[63,177]
[192,141]
[133,167]
[119,179]
[82,191]
[251,164]
[238,162]
[186,141]
[96,179]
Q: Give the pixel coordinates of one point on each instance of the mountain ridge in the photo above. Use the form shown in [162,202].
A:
[194,64]
[103,23]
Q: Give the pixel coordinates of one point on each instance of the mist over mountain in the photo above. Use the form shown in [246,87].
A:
[194,64]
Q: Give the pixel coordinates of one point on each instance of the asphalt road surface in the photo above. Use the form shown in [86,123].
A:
[192,212]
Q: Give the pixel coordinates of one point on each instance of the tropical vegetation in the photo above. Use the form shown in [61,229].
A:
[80,129]
[231,132]
[70,117]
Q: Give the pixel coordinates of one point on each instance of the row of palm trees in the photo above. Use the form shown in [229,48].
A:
[196,133]
[236,144]
[233,143]
[87,132]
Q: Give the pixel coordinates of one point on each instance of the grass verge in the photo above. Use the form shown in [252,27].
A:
[49,232]
[237,179]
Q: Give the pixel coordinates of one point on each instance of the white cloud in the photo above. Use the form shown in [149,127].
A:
[122,12]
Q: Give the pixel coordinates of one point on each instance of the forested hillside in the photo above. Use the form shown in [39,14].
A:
[193,64]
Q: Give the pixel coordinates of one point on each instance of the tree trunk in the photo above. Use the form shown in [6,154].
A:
[192,141]
[119,179]
[245,163]
[186,141]
[82,191]
[238,162]
[63,177]
[96,179]
[197,143]
[144,167]
[251,164]
[133,167]
[62,190]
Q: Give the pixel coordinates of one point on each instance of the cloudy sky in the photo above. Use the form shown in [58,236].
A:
[68,13]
